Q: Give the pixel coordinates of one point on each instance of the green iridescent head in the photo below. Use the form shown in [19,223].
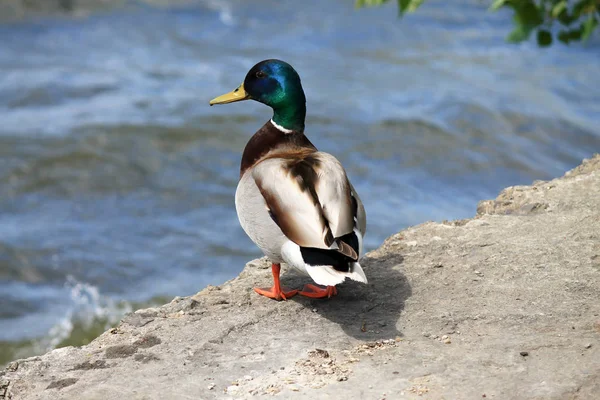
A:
[276,84]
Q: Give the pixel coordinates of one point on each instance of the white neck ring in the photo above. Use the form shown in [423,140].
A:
[281,128]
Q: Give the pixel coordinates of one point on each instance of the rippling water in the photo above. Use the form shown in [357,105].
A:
[117,179]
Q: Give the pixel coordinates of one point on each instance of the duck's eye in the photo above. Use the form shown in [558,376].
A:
[260,74]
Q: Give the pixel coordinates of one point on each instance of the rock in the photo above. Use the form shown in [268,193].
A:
[147,342]
[63,383]
[538,276]
[232,389]
[13,366]
[120,351]
[134,319]
[98,364]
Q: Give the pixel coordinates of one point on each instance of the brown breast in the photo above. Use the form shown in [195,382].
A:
[269,142]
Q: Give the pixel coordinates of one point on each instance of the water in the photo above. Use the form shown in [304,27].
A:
[117,179]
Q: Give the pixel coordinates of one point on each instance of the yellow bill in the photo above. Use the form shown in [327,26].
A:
[238,94]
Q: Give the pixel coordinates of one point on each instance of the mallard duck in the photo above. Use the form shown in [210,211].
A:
[295,202]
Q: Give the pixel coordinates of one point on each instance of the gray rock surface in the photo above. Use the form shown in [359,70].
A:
[505,305]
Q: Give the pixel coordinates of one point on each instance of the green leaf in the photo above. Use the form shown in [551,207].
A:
[369,3]
[414,4]
[588,27]
[575,34]
[527,18]
[558,8]
[518,34]
[497,4]
[563,36]
[583,7]
[408,6]
[528,14]
[403,6]
[544,38]
[565,18]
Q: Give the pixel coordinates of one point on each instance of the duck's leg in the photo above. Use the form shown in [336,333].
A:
[317,292]
[276,291]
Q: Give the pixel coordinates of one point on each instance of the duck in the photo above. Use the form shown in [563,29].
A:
[295,202]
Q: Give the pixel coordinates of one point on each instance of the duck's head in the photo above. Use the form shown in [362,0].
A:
[276,84]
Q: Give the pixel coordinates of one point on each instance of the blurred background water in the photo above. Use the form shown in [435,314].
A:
[117,180]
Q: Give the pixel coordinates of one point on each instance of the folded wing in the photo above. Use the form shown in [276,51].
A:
[310,199]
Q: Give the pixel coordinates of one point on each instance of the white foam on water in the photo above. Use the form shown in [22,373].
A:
[224,10]
[89,307]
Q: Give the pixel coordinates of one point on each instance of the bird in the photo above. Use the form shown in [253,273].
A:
[294,202]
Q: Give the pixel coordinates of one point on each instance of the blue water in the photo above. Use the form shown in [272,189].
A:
[117,179]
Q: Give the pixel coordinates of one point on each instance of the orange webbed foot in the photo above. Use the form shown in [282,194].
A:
[275,293]
[317,292]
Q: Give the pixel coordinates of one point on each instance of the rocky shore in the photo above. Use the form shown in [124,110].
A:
[505,305]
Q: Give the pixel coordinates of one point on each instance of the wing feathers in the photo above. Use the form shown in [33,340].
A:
[310,199]
[333,190]
[294,208]
[347,250]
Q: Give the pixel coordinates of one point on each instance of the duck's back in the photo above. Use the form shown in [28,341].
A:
[294,193]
